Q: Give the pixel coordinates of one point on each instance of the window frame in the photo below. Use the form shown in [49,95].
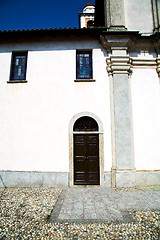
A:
[15,55]
[78,74]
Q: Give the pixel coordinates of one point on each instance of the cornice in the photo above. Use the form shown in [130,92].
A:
[143,62]
[86,14]
[131,40]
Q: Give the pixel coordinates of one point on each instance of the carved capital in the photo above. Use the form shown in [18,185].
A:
[110,41]
[119,65]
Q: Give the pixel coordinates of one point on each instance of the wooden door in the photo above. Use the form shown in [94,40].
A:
[86,159]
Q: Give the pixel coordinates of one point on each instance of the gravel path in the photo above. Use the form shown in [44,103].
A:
[24,213]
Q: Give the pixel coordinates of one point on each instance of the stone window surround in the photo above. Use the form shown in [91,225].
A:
[14,54]
[90,52]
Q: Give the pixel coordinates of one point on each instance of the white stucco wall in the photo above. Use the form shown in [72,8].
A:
[145,88]
[35,116]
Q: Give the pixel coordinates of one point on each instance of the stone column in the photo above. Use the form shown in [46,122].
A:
[114,14]
[119,69]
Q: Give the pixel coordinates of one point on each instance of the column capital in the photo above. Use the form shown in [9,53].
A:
[111,40]
[119,64]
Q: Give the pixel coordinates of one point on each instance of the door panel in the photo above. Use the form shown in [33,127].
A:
[86,159]
[79,159]
[93,159]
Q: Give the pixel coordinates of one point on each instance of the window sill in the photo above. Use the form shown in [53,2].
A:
[17,81]
[84,80]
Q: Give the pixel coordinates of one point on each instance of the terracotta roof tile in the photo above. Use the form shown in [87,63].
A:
[89,4]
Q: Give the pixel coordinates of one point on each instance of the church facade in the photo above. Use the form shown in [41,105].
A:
[81,107]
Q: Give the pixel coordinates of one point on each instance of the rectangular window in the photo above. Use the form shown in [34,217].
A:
[84,65]
[19,66]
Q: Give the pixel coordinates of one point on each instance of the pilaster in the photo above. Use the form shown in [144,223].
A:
[114,15]
[119,70]
[156,15]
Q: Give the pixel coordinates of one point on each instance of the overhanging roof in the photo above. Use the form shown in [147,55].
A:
[94,32]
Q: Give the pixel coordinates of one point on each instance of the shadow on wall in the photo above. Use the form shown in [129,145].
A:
[99,13]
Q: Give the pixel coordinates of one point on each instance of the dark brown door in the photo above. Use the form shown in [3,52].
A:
[86,159]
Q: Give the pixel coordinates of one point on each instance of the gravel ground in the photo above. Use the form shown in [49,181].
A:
[24,213]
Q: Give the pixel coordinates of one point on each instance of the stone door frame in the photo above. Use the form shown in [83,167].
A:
[71,143]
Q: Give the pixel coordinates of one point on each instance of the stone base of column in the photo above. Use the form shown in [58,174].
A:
[123,178]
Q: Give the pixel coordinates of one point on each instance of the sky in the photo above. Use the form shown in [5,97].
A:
[33,14]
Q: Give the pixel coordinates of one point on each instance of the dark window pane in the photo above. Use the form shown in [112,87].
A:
[81,70]
[20,61]
[87,61]
[84,65]
[19,64]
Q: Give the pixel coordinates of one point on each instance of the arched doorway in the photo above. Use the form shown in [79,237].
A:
[86,152]
[75,130]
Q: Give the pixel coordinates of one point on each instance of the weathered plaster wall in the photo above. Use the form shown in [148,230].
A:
[146,115]
[35,116]
[138,15]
